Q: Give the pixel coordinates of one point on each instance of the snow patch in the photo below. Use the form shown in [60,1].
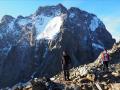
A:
[72,15]
[32,76]
[23,22]
[5,50]
[40,22]
[94,24]
[57,13]
[52,79]
[97,46]
[100,42]
[11,25]
[52,28]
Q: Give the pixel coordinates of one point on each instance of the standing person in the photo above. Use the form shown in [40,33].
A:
[66,61]
[105,59]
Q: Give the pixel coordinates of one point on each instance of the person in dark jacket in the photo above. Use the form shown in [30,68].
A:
[66,61]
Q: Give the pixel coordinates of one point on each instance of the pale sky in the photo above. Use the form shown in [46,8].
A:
[107,10]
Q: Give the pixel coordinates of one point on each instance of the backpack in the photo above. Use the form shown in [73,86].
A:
[105,56]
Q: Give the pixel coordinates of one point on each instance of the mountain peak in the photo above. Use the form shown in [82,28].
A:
[50,10]
[60,5]
[7,18]
[74,8]
[20,17]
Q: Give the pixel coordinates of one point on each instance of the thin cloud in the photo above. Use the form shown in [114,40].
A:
[112,23]
[113,26]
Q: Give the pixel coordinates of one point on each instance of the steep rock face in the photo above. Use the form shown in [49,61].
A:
[115,53]
[35,43]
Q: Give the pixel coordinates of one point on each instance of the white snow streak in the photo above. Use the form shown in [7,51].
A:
[72,15]
[94,24]
[11,25]
[97,46]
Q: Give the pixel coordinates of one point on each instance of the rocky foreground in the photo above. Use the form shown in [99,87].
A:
[85,77]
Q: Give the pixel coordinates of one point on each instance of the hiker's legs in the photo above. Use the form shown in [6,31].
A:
[68,74]
[65,74]
[105,65]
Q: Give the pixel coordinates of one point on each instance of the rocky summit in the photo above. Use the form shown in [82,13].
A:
[31,46]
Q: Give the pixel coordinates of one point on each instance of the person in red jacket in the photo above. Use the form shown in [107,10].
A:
[66,61]
[105,59]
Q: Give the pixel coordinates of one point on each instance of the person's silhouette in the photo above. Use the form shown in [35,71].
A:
[66,61]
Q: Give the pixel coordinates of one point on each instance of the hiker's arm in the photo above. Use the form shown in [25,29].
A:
[62,61]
